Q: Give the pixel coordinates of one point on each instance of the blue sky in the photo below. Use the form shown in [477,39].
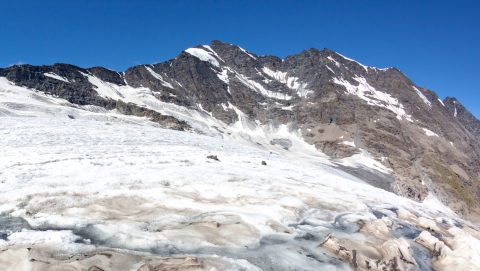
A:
[435,43]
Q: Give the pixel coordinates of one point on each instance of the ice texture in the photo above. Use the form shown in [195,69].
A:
[87,186]
[81,180]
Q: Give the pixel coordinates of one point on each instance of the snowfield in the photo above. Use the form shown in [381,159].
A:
[80,193]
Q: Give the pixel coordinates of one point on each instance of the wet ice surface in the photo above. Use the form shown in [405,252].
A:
[80,186]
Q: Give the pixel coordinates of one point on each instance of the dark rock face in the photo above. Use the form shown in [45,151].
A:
[76,89]
[325,96]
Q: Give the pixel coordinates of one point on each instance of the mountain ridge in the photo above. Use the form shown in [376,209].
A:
[328,101]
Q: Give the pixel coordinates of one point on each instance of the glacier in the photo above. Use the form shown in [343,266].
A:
[82,187]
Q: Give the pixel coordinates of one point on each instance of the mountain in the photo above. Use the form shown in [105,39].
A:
[315,107]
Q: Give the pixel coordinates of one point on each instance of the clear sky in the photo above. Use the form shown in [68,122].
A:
[435,43]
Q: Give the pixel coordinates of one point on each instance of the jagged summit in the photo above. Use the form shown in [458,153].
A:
[315,106]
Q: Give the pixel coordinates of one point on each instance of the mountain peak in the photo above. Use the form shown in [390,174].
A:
[320,101]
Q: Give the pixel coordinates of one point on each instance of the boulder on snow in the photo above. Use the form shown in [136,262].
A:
[214,157]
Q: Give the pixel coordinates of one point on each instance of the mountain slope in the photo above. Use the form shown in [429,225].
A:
[316,106]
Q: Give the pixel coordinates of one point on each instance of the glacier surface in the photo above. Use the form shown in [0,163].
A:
[81,186]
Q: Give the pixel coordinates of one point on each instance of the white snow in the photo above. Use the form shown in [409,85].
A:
[203,55]
[139,187]
[83,173]
[291,82]
[455,114]
[212,51]
[159,77]
[334,61]
[373,96]
[104,89]
[429,133]
[245,51]
[365,67]
[224,76]
[441,102]
[201,109]
[365,159]
[432,201]
[349,143]
[330,69]
[55,76]
[243,131]
[259,88]
[19,101]
[425,100]
[278,75]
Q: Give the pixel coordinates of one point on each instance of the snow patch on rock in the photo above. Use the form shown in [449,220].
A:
[425,100]
[159,77]
[373,97]
[259,88]
[291,82]
[203,55]
[429,133]
[363,66]
[246,52]
[55,76]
